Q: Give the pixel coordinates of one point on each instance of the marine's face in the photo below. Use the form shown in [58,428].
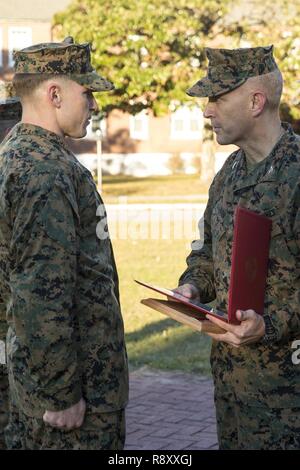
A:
[78,103]
[229,116]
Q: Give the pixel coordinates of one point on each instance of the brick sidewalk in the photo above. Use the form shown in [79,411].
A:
[170,411]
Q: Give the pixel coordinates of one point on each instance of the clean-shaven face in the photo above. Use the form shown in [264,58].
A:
[229,115]
[78,104]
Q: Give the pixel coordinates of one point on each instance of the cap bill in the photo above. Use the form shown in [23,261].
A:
[208,88]
[92,81]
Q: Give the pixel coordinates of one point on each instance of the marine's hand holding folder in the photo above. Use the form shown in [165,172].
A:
[183,310]
[250,329]
[243,324]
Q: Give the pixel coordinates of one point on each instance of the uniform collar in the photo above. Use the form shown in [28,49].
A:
[267,172]
[37,131]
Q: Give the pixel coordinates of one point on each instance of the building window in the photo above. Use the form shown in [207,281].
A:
[139,126]
[1,48]
[18,38]
[187,123]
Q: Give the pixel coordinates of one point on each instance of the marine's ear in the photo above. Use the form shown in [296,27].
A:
[257,102]
[54,93]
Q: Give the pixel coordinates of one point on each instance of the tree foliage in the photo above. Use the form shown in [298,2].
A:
[153,50]
[256,23]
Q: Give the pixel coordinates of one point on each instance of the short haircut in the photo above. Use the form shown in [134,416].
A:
[272,84]
[26,83]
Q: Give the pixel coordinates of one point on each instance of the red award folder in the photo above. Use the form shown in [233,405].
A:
[249,262]
[197,309]
[249,268]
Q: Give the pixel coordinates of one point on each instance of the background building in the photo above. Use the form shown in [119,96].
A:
[23,23]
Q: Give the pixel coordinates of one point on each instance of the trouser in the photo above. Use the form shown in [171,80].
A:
[241,426]
[4,404]
[100,431]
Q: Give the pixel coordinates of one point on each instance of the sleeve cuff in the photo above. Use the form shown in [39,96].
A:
[62,401]
[270,335]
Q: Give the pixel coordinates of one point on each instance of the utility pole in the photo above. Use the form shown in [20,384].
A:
[99,162]
[208,155]
[96,129]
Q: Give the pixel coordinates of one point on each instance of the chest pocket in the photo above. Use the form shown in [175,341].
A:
[221,225]
[60,217]
[283,244]
[94,216]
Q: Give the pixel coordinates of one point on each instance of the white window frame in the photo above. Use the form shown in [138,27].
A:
[143,134]
[11,46]
[1,47]
[186,115]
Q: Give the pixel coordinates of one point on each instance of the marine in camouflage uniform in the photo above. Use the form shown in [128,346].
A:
[10,114]
[66,337]
[257,386]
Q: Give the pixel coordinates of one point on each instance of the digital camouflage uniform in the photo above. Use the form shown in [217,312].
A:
[257,386]
[10,114]
[66,335]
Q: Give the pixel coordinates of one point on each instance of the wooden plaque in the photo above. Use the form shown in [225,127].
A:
[183,314]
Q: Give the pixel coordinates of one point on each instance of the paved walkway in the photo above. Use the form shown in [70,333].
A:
[170,411]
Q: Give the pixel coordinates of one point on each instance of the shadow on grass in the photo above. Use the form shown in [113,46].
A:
[152,328]
[178,349]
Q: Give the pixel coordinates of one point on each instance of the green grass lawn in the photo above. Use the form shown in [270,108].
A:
[153,339]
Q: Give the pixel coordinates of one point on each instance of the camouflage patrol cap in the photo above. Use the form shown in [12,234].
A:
[10,105]
[230,68]
[63,58]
